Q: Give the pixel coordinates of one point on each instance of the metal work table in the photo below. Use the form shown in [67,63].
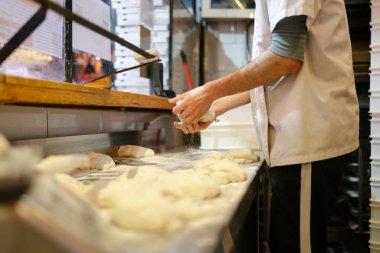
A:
[230,221]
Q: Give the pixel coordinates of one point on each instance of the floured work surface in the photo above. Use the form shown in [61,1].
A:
[198,235]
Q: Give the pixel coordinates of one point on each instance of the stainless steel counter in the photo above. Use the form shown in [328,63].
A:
[72,221]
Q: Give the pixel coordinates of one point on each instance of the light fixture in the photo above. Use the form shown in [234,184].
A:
[241,6]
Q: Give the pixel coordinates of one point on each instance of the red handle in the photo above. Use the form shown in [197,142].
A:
[188,77]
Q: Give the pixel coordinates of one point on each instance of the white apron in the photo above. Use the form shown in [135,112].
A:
[314,114]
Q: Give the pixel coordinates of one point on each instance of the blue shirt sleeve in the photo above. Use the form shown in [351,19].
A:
[289,37]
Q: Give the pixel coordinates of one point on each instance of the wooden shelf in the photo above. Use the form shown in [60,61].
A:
[17,90]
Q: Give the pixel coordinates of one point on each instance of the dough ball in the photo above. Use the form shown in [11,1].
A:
[135,179]
[4,146]
[114,191]
[63,163]
[148,173]
[105,196]
[135,151]
[222,171]
[151,199]
[188,184]
[146,211]
[242,155]
[100,161]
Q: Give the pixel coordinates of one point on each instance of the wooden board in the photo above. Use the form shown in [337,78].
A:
[104,83]
[115,98]
[17,90]
[33,91]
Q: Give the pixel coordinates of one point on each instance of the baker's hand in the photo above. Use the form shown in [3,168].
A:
[192,105]
[191,128]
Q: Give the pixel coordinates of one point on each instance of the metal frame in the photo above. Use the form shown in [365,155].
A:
[39,17]
[23,33]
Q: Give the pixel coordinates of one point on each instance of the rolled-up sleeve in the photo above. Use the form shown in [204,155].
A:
[289,37]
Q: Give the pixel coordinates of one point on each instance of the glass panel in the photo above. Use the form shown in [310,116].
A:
[92,52]
[41,54]
[143,23]
[185,39]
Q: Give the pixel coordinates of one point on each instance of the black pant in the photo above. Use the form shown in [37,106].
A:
[284,231]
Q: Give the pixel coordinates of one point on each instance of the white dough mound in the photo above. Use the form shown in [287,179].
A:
[100,161]
[240,155]
[134,180]
[134,204]
[134,151]
[223,171]
[146,211]
[188,184]
[63,163]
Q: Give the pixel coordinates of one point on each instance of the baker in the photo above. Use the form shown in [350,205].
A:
[301,86]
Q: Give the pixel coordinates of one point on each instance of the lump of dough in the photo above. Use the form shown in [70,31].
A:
[100,161]
[63,163]
[116,189]
[222,171]
[146,211]
[4,146]
[188,184]
[149,173]
[141,202]
[134,151]
[240,155]
[106,196]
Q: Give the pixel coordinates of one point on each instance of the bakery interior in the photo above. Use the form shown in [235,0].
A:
[84,86]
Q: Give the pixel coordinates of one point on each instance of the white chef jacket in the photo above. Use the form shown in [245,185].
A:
[314,114]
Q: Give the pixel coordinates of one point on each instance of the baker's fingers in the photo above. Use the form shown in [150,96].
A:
[181,127]
[202,125]
[178,108]
[191,128]
[176,99]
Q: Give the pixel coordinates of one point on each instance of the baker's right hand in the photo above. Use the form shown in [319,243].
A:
[192,105]
[191,128]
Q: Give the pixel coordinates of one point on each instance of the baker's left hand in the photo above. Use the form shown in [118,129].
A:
[192,105]
[191,128]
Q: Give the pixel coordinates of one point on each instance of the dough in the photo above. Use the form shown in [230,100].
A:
[135,151]
[4,146]
[100,161]
[63,163]
[149,198]
[148,174]
[188,184]
[146,211]
[106,196]
[134,180]
[223,171]
[135,205]
[241,155]
[73,185]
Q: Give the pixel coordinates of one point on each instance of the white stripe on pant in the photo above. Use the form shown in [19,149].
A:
[305,208]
